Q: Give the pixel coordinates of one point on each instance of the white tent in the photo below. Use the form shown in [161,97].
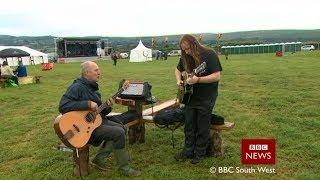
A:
[140,54]
[35,57]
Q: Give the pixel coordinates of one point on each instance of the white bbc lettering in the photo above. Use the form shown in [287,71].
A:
[258,155]
[265,147]
[258,147]
[225,170]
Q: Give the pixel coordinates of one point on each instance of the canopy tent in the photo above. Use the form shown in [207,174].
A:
[140,54]
[34,57]
[13,52]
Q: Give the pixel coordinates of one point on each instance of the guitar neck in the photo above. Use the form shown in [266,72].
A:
[104,104]
[196,71]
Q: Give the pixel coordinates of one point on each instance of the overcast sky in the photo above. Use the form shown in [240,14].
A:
[151,18]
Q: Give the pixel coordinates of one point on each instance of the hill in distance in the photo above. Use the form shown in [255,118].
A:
[46,43]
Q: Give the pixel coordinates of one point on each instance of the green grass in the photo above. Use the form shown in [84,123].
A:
[266,96]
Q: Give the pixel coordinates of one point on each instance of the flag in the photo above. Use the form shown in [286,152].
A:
[166,42]
[200,37]
[153,42]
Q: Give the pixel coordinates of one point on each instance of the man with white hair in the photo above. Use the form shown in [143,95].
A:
[84,94]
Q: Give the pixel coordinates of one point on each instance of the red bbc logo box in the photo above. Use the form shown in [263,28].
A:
[258,151]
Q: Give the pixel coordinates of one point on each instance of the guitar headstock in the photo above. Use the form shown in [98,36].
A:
[200,69]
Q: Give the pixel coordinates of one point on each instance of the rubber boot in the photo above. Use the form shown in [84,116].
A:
[182,156]
[99,160]
[123,162]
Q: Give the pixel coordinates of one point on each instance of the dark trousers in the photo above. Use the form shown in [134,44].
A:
[196,130]
[109,131]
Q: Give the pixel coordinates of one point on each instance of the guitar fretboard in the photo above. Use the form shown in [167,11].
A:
[104,105]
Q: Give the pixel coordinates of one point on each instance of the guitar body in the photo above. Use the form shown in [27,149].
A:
[74,129]
[185,94]
[185,91]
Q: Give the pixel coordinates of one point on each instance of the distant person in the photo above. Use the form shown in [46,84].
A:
[157,55]
[165,55]
[21,70]
[32,61]
[7,72]
[114,57]
[226,53]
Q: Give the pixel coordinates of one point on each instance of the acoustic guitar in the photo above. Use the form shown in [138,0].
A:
[185,91]
[74,128]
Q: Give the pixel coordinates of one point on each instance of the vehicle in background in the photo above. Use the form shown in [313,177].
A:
[52,57]
[174,53]
[124,55]
[156,53]
[159,55]
[307,48]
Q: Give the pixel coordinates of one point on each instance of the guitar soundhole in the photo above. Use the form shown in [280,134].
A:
[90,117]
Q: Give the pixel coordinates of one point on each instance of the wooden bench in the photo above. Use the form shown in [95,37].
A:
[22,80]
[215,130]
[137,127]
[29,79]
[2,82]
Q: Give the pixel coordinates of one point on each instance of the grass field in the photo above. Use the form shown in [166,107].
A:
[266,96]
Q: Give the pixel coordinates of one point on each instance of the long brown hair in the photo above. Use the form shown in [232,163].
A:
[196,51]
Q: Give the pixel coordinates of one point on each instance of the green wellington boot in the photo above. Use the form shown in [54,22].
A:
[123,162]
[99,160]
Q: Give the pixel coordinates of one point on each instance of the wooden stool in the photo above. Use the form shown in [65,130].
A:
[136,131]
[2,83]
[37,79]
[216,137]
[80,158]
[81,161]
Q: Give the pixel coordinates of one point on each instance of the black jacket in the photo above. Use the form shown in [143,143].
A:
[78,94]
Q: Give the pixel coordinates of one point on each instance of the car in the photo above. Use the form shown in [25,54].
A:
[307,48]
[124,55]
[52,57]
[156,54]
[174,53]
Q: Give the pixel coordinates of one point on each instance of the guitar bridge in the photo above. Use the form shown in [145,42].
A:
[68,135]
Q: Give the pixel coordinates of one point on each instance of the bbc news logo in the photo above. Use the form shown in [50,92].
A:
[263,147]
[258,151]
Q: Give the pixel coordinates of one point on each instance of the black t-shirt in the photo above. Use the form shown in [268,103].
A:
[204,94]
